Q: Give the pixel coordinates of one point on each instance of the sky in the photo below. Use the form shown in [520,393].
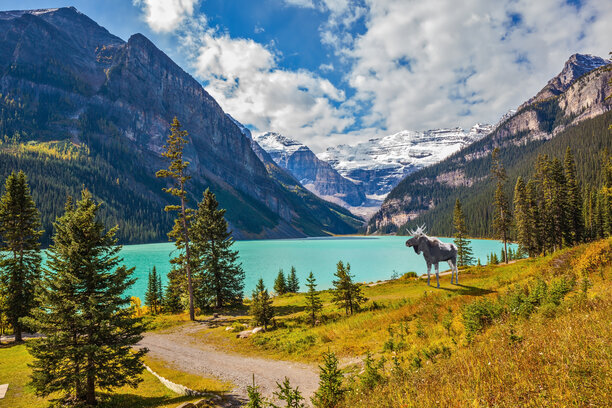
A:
[327,72]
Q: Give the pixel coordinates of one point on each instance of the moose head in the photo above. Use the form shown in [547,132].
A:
[418,239]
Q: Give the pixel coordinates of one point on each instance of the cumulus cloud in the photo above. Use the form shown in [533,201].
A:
[422,65]
[244,77]
[166,15]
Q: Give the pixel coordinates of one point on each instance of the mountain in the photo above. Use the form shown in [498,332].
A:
[379,164]
[82,107]
[314,174]
[571,110]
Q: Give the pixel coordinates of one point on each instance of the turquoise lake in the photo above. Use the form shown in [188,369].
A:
[371,259]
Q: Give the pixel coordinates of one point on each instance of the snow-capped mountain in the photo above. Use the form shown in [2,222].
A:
[314,174]
[379,164]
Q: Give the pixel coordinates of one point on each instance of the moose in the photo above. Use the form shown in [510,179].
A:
[434,251]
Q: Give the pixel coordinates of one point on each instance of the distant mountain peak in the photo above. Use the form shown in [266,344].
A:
[576,66]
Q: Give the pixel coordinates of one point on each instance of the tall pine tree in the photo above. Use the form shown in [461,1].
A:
[20,230]
[293,283]
[522,217]
[502,219]
[313,301]
[152,295]
[261,306]
[280,283]
[88,329]
[575,224]
[464,251]
[220,276]
[177,171]
[347,294]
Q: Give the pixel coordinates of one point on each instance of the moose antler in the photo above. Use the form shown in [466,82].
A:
[419,231]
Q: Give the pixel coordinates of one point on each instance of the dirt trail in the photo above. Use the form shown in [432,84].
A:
[182,351]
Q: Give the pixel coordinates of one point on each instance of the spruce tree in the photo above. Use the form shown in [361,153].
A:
[555,203]
[220,275]
[261,306]
[177,171]
[534,221]
[331,392]
[292,397]
[152,298]
[280,284]
[313,301]
[20,230]
[521,217]
[88,329]
[293,284]
[464,251]
[173,298]
[347,294]
[502,219]
[575,228]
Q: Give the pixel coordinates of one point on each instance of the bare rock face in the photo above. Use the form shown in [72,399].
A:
[315,174]
[78,82]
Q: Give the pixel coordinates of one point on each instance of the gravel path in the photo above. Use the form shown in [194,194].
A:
[182,351]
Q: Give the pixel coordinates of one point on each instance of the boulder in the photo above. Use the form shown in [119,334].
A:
[257,330]
[244,334]
[229,329]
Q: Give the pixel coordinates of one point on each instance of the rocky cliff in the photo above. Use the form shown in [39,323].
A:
[314,174]
[73,80]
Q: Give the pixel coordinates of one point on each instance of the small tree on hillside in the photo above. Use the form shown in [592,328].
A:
[280,284]
[261,306]
[175,290]
[502,219]
[20,257]
[152,296]
[464,251]
[84,316]
[575,231]
[313,301]
[220,275]
[521,217]
[330,392]
[346,293]
[293,284]
[180,232]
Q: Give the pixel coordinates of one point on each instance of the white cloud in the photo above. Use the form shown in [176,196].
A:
[422,65]
[243,76]
[166,15]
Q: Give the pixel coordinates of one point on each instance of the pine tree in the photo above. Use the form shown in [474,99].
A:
[330,392]
[521,217]
[280,284]
[464,251]
[160,292]
[346,293]
[534,221]
[313,301]
[293,284]
[292,397]
[178,172]
[261,306]
[502,219]
[173,298]
[555,203]
[256,400]
[220,276]
[88,329]
[20,230]
[575,228]
[152,298]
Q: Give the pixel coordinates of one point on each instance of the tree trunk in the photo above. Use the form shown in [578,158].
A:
[91,387]
[17,330]
[187,258]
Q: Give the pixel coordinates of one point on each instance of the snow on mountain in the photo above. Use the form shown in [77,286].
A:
[379,164]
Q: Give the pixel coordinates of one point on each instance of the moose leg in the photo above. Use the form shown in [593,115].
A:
[437,275]
[428,271]
[452,266]
[456,273]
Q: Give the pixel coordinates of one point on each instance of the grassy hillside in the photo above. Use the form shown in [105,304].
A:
[532,333]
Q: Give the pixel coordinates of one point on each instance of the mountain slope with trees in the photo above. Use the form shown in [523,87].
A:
[81,106]
[578,116]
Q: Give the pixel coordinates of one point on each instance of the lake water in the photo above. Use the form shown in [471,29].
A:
[371,259]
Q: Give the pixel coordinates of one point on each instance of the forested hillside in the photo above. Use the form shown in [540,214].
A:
[578,116]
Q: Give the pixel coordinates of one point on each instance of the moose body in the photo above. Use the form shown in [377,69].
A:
[434,251]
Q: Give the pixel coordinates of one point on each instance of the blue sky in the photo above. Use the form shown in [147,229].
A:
[340,71]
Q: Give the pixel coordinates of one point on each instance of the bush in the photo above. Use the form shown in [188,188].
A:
[478,315]
[409,275]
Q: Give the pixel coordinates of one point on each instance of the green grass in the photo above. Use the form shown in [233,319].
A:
[150,393]
[191,381]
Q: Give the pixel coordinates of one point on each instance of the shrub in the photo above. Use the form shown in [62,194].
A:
[479,314]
